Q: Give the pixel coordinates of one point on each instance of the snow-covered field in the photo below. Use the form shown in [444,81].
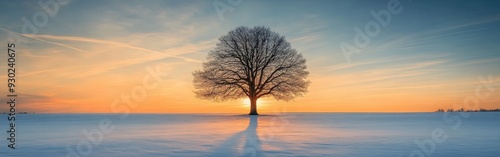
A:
[296,134]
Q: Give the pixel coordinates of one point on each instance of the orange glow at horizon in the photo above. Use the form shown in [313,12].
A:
[176,96]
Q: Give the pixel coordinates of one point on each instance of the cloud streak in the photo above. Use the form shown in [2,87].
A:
[104,42]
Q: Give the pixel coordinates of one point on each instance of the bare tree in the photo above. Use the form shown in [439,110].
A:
[252,62]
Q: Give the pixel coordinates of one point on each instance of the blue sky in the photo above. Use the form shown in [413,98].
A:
[428,56]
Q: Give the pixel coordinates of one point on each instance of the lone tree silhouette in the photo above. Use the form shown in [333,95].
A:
[252,62]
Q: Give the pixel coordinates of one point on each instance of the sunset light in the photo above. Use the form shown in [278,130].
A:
[142,60]
[246,102]
[260,102]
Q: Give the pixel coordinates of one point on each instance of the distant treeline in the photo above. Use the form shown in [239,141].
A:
[462,110]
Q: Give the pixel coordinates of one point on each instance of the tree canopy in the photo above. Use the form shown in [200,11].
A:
[252,62]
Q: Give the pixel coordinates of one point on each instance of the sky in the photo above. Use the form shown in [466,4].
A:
[92,56]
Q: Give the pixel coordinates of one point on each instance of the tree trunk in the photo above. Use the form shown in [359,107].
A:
[253,106]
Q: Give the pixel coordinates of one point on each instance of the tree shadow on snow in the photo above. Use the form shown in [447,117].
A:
[248,138]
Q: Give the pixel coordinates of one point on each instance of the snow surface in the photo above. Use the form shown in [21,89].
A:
[293,134]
